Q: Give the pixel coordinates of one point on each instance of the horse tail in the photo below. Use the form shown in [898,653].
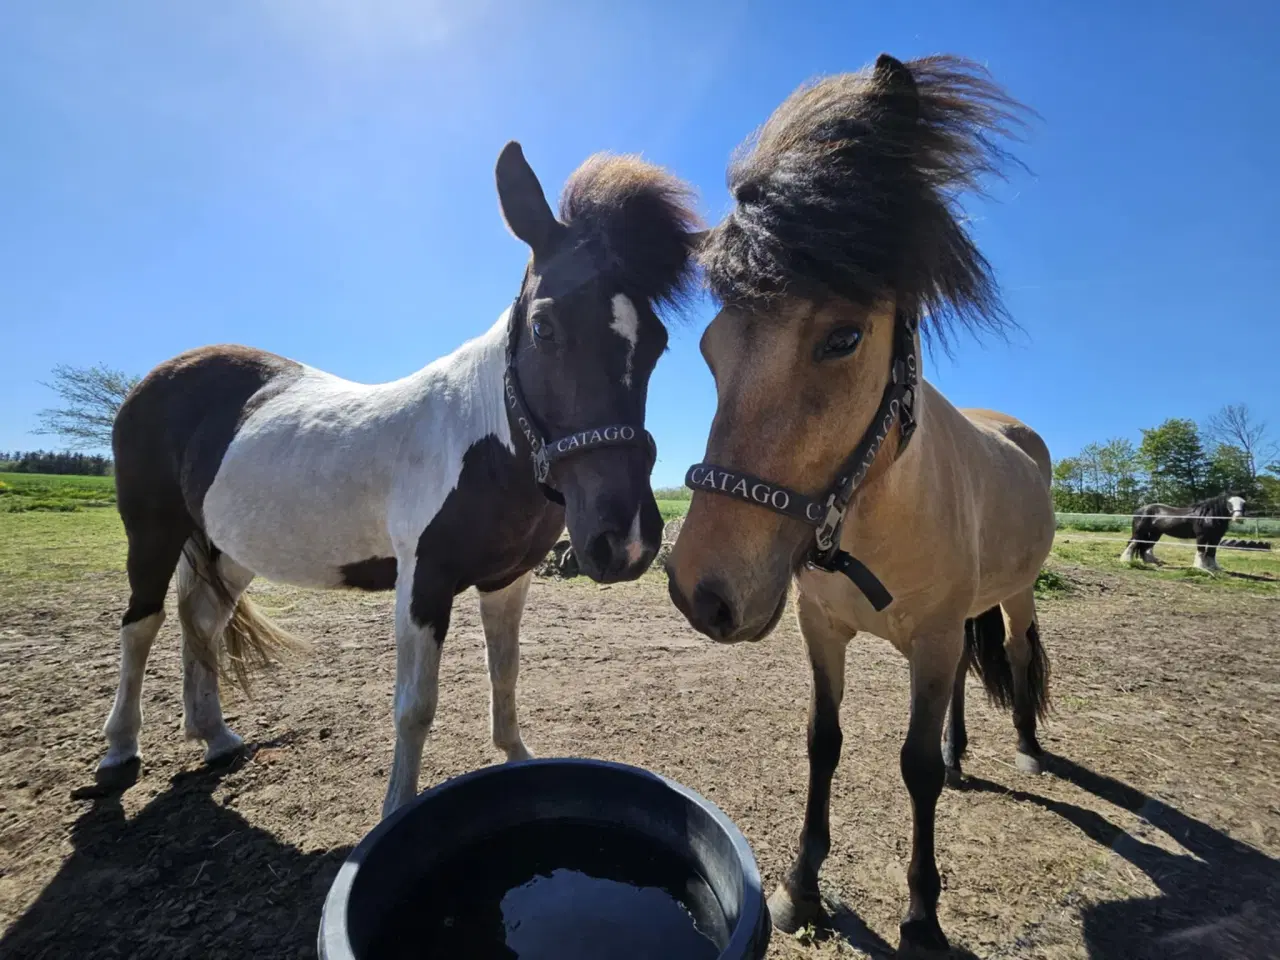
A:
[984,637]
[1142,537]
[1037,673]
[248,642]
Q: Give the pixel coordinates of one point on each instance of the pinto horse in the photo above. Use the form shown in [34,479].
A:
[829,461]
[1205,522]
[233,463]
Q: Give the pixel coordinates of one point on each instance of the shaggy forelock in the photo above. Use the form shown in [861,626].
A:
[643,216]
[852,187]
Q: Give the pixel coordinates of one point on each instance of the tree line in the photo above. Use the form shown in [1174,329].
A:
[1177,462]
[47,461]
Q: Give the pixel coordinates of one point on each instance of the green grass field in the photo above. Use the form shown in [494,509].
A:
[57,529]
[20,492]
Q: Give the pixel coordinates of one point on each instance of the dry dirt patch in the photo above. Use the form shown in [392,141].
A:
[1156,835]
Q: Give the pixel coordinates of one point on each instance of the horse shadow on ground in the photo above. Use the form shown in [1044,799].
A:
[185,877]
[1219,901]
[1251,577]
[841,922]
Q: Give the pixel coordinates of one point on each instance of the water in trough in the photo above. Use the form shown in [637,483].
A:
[558,891]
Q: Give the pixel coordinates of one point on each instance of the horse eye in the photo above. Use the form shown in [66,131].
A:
[543,330]
[839,343]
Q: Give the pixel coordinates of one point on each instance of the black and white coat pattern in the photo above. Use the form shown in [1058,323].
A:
[1205,522]
[233,463]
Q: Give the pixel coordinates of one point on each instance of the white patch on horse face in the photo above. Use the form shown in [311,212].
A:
[1237,507]
[626,324]
[635,542]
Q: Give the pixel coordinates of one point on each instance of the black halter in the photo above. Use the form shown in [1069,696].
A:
[545,452]
[827,514]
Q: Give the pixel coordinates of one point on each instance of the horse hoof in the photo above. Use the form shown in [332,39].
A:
[955,777]
[119,756]
[788,915]
[922,940]
[222,748]
[1029,764]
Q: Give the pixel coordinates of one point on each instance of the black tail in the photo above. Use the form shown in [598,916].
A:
[984,636]
[1038,673]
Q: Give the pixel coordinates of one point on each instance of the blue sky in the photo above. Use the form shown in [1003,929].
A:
[315,177]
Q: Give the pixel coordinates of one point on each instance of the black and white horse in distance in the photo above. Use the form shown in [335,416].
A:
[1205,522]
[233,463]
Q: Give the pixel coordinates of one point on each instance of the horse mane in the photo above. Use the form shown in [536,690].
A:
[1212,507]
[852,187]
[642,219]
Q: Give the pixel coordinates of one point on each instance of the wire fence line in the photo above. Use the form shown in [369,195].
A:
[1173,543]
[1123,522]
[1130,516]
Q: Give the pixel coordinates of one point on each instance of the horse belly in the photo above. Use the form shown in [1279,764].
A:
[295,515]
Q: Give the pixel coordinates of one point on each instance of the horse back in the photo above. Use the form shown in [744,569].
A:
[1017,433]
[173,430]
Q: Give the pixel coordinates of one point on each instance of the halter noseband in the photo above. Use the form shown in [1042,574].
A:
[545,452]
[827,514]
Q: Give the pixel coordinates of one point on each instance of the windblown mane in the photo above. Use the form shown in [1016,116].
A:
[852,188]
[641,218]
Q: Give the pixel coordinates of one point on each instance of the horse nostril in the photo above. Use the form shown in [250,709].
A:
[602,550]
[713,614]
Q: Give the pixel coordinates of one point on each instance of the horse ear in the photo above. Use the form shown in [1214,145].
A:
[524,205]
[899,86]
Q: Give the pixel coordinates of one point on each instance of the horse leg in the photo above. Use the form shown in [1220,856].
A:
[1149,548]
[205,611]
[1206,557]
[1131,549]
[421,624]
[796,902]
[956,739]
[1029,665]
[500,612]
[934,659]
[155,545]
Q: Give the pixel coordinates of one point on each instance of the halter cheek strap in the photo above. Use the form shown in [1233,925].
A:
[545,452]
[827,514]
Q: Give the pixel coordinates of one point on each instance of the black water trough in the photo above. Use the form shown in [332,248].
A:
[563,858]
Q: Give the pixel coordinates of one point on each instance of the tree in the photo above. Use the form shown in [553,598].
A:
[1269,489]
[1120,467]
[1230,472]
[1068,486]
[1102,478]
[1234,426]
[1175,461]
[91,396]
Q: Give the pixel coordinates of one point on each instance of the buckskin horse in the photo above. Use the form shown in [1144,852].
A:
[233,463]
[1205,522]
[829,461]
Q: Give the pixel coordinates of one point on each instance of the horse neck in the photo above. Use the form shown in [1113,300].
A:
[468,383]
[896,482]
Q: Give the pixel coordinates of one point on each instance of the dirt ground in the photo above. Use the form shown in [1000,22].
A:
[1156,834]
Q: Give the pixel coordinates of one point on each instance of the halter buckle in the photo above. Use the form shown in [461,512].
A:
[826,533]
[541,463]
